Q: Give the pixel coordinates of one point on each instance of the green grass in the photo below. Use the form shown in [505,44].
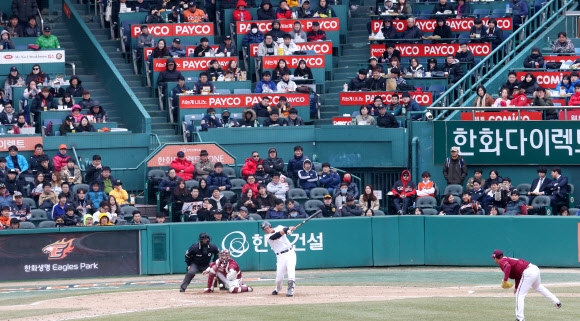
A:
[9,315]
[428,309]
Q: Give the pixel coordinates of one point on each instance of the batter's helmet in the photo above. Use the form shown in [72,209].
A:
[265,225]
[224,255]
[204,235]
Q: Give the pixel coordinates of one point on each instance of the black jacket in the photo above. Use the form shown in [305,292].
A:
[328,211]
[4,118]
[443,32]
[455,71]
[412,35]
[387,121]
[356,84]
[168,75]
[35,160]
[530,61]
[377,84]
[37,103]
[465,56]
[351,210]
[269,14]
[273,165]
[75,91]
[201,255]
[450,208]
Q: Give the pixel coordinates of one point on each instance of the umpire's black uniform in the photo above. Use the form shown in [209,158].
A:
[198,258]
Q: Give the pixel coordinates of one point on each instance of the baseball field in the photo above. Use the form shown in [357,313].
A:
[426,293]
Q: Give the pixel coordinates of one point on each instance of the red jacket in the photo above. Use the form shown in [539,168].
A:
[283,14]
[239,14]
[574,100]
[253,187]
[250,166]
[406,187]
[185,165]
[58,161]
[519,100]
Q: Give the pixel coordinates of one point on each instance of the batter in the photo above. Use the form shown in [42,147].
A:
[228,271]
[285,255]
[527,276]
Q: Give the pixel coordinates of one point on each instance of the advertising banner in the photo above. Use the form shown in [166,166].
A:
[192,64]
[502,115]
[546,79]
[32,56]
[326,24]
[432,50]
[341,121]
[169,152]
[456,25]
[239,100]
[312,61]
[175,30]
[319,47]
[22,142]
[357,98]
[69,255]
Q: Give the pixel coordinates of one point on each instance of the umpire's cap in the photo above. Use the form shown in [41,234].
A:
[265,225]
[204,235]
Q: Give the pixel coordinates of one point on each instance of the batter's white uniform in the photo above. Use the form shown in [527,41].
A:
[285,257]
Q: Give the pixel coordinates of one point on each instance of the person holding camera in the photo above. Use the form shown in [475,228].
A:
[154,16]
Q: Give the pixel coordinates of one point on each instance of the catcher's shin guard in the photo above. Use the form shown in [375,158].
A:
[211,280]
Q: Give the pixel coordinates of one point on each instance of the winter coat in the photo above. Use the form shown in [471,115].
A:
[176,91]
[330,180]
[169,182]
[412,35]
[308,178]
[168,75]
[303,72]
[6,43]
[99,114]
[519,100]
[250,165]
[268,122]
[262,87]
[530,61]
[377,84]
[444,32]
[356,84]
[273,214]
[387,121]
[319,35]
[566,47]
[351,210]
[24,9]
[264,14]
[411,106]
[455,170]
[294,165]
[325,12]
[574,100]
[546,101]
[37,103]
[299,36]
[75,91]
[50,42]
[218,180]
[402,186]
[441,8]
[263,50]
[244,122]
[302,13]
[516,208]
[250,38]
[177,51]
[77,176]
[208,122]
[530,87]
[279,190]
[449,208]
[283,14]
[464,57]
[273,165]
[471,208]
[232,49]
[198,87]
[183,165]
[454,69]
[364,205]
[5,119]
[241,15]
[59,161]
[489,199]
[296,122]
[486,101]
[498,34]
[299,210]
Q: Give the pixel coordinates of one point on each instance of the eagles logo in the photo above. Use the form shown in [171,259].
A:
[59,249]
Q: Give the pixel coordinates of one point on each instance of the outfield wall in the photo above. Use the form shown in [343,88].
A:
[321,243]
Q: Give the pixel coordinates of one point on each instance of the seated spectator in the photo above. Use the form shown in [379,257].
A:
[350,208]
[254,36]
[477,193]
[37,186]
[563,44]
[403,8]
[293,119]
[390,53]
[519,98]
[215,70]
[478,31]
[273,164]
[233,72]
[228,46]
[403,192]
[180,88]
[565,86]
[183,167]
[274,119]
[66,191]
[5,41]
[16,161]
[288,45]
[18,209]
[203,49]
[519,12]
[47,40]
[294,210]
[494,34]
[503,100]
[8,116]
[464,55]
[529,84]
[176,50]
[297,34]
[262,109]
[329,179]
[386,120]
[67,126]
[248,200]
[56,182]
[463,9]
[179,196]
[442,8]
[14,28]
[82,204]
[217,179]
[241,13]
[449,206]
[535,59]
[280,69]
[166,186]
[277,211]
[3,168]
[442,32]
[285,85]
[104,208]
[340,195]
[304,11]
[415,68]
[364,118]
[496,196]
[395,74]
[454,69]
[426,187]
[5,217]
[558,187]
[412,33]
[69,218]
[542,98]
[139,6]
[493,176]
[368,200]
[477,175]
[59,208]
[268,47]
[276,187]
[250,166]
[104,220]
[192,205]
[193,14]
[170,74]
[432,66]
[42,102]
[13,184]
[374,106]
[515,206]
[161,50]
[76,113]
[469,206]
[87,220]
[360,82]
[409,105]
[176,15]
[210,120]
[376,82]
[328,209]
[266,12]
[46,199]
[266,85]
[564,211]
[276,33]
[316,34]
[14,78]
[71,173]
[483,98]
[97,112]
[575,99]
[264,199]
[86,102]
[203,86]
[67,101]
[324,11]
[307,177]
[249,119]
[5,197]
[136,220]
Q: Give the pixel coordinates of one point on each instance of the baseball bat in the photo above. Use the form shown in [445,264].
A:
[308,219]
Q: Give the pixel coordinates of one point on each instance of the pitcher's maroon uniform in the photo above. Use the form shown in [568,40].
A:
[227,271]
[513,268]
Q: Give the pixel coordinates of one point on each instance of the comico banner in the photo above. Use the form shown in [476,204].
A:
[561,58]
[570,114]
[456,25]
[312,61]
[319,47]
[239,101]
[168,153]
[192,64]
[32,56]
[509,142]
[23,143]
[432,50]
[326,24]
[501,115]
[69,255]
[357,98]
[544,78]
[175,29]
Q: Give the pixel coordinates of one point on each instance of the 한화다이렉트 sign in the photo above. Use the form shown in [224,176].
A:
[69,255]
[509,142]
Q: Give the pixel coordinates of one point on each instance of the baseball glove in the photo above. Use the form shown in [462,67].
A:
[506,284]
[232,274]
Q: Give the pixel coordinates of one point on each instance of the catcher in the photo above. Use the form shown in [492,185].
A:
[527,276]
[228,272]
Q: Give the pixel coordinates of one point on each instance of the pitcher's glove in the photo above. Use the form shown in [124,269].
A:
[506,284]
[232,274]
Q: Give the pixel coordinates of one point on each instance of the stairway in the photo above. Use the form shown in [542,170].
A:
[159,123]
[355,52]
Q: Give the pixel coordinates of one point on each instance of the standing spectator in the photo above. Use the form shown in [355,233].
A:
[329,179]
[241,13]
[254,36]
[93,171]
[60,159]
[454,168]
[183,167]
[519,12]
[22,9]
[316,34]
[14,28]
[204,166]
[535,59]
[403,192]
[295,163]
[266,12]
[47,40]
[563,44]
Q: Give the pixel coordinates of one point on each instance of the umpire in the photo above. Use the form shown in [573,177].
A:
[198,257]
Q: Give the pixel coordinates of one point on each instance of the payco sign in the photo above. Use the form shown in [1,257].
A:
[509,142]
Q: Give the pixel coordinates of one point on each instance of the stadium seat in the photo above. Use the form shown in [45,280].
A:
[290,182]
[312,206]
[541,202]
[189,184]
[223,91]
[45,224]
[523,188]
[378,213]
[454,189]
[318,193]
[27,225]
[242,91]
[128,211]
[154,177]
[76,187]
[229,172]
[230,196]
[38,215]
[237,184]
[297,194]
[525,199]
[430,211]
[498,13]
[30,202]
[256,217]
[426,202]
[480,13]
[145,220]
[573,211]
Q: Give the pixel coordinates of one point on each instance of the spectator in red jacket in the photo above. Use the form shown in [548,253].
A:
[183,167]
[251,185]
[242,13]
[316,34]
[59,160]
[283,12]
[519,98]
[251,164]
[575,99]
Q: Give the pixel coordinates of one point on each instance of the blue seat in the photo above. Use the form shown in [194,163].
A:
[242,91]
[480,13]
[498,13]
[189,126]
[223,91]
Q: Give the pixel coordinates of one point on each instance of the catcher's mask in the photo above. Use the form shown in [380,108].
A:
[224,255]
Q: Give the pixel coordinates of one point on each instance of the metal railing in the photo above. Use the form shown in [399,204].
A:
[463,89]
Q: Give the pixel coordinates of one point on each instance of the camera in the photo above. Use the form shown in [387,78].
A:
[429,116]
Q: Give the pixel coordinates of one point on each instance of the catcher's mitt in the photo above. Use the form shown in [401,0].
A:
[506,284]
[232,274]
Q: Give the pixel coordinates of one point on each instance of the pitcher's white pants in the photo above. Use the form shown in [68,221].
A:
[531,279]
